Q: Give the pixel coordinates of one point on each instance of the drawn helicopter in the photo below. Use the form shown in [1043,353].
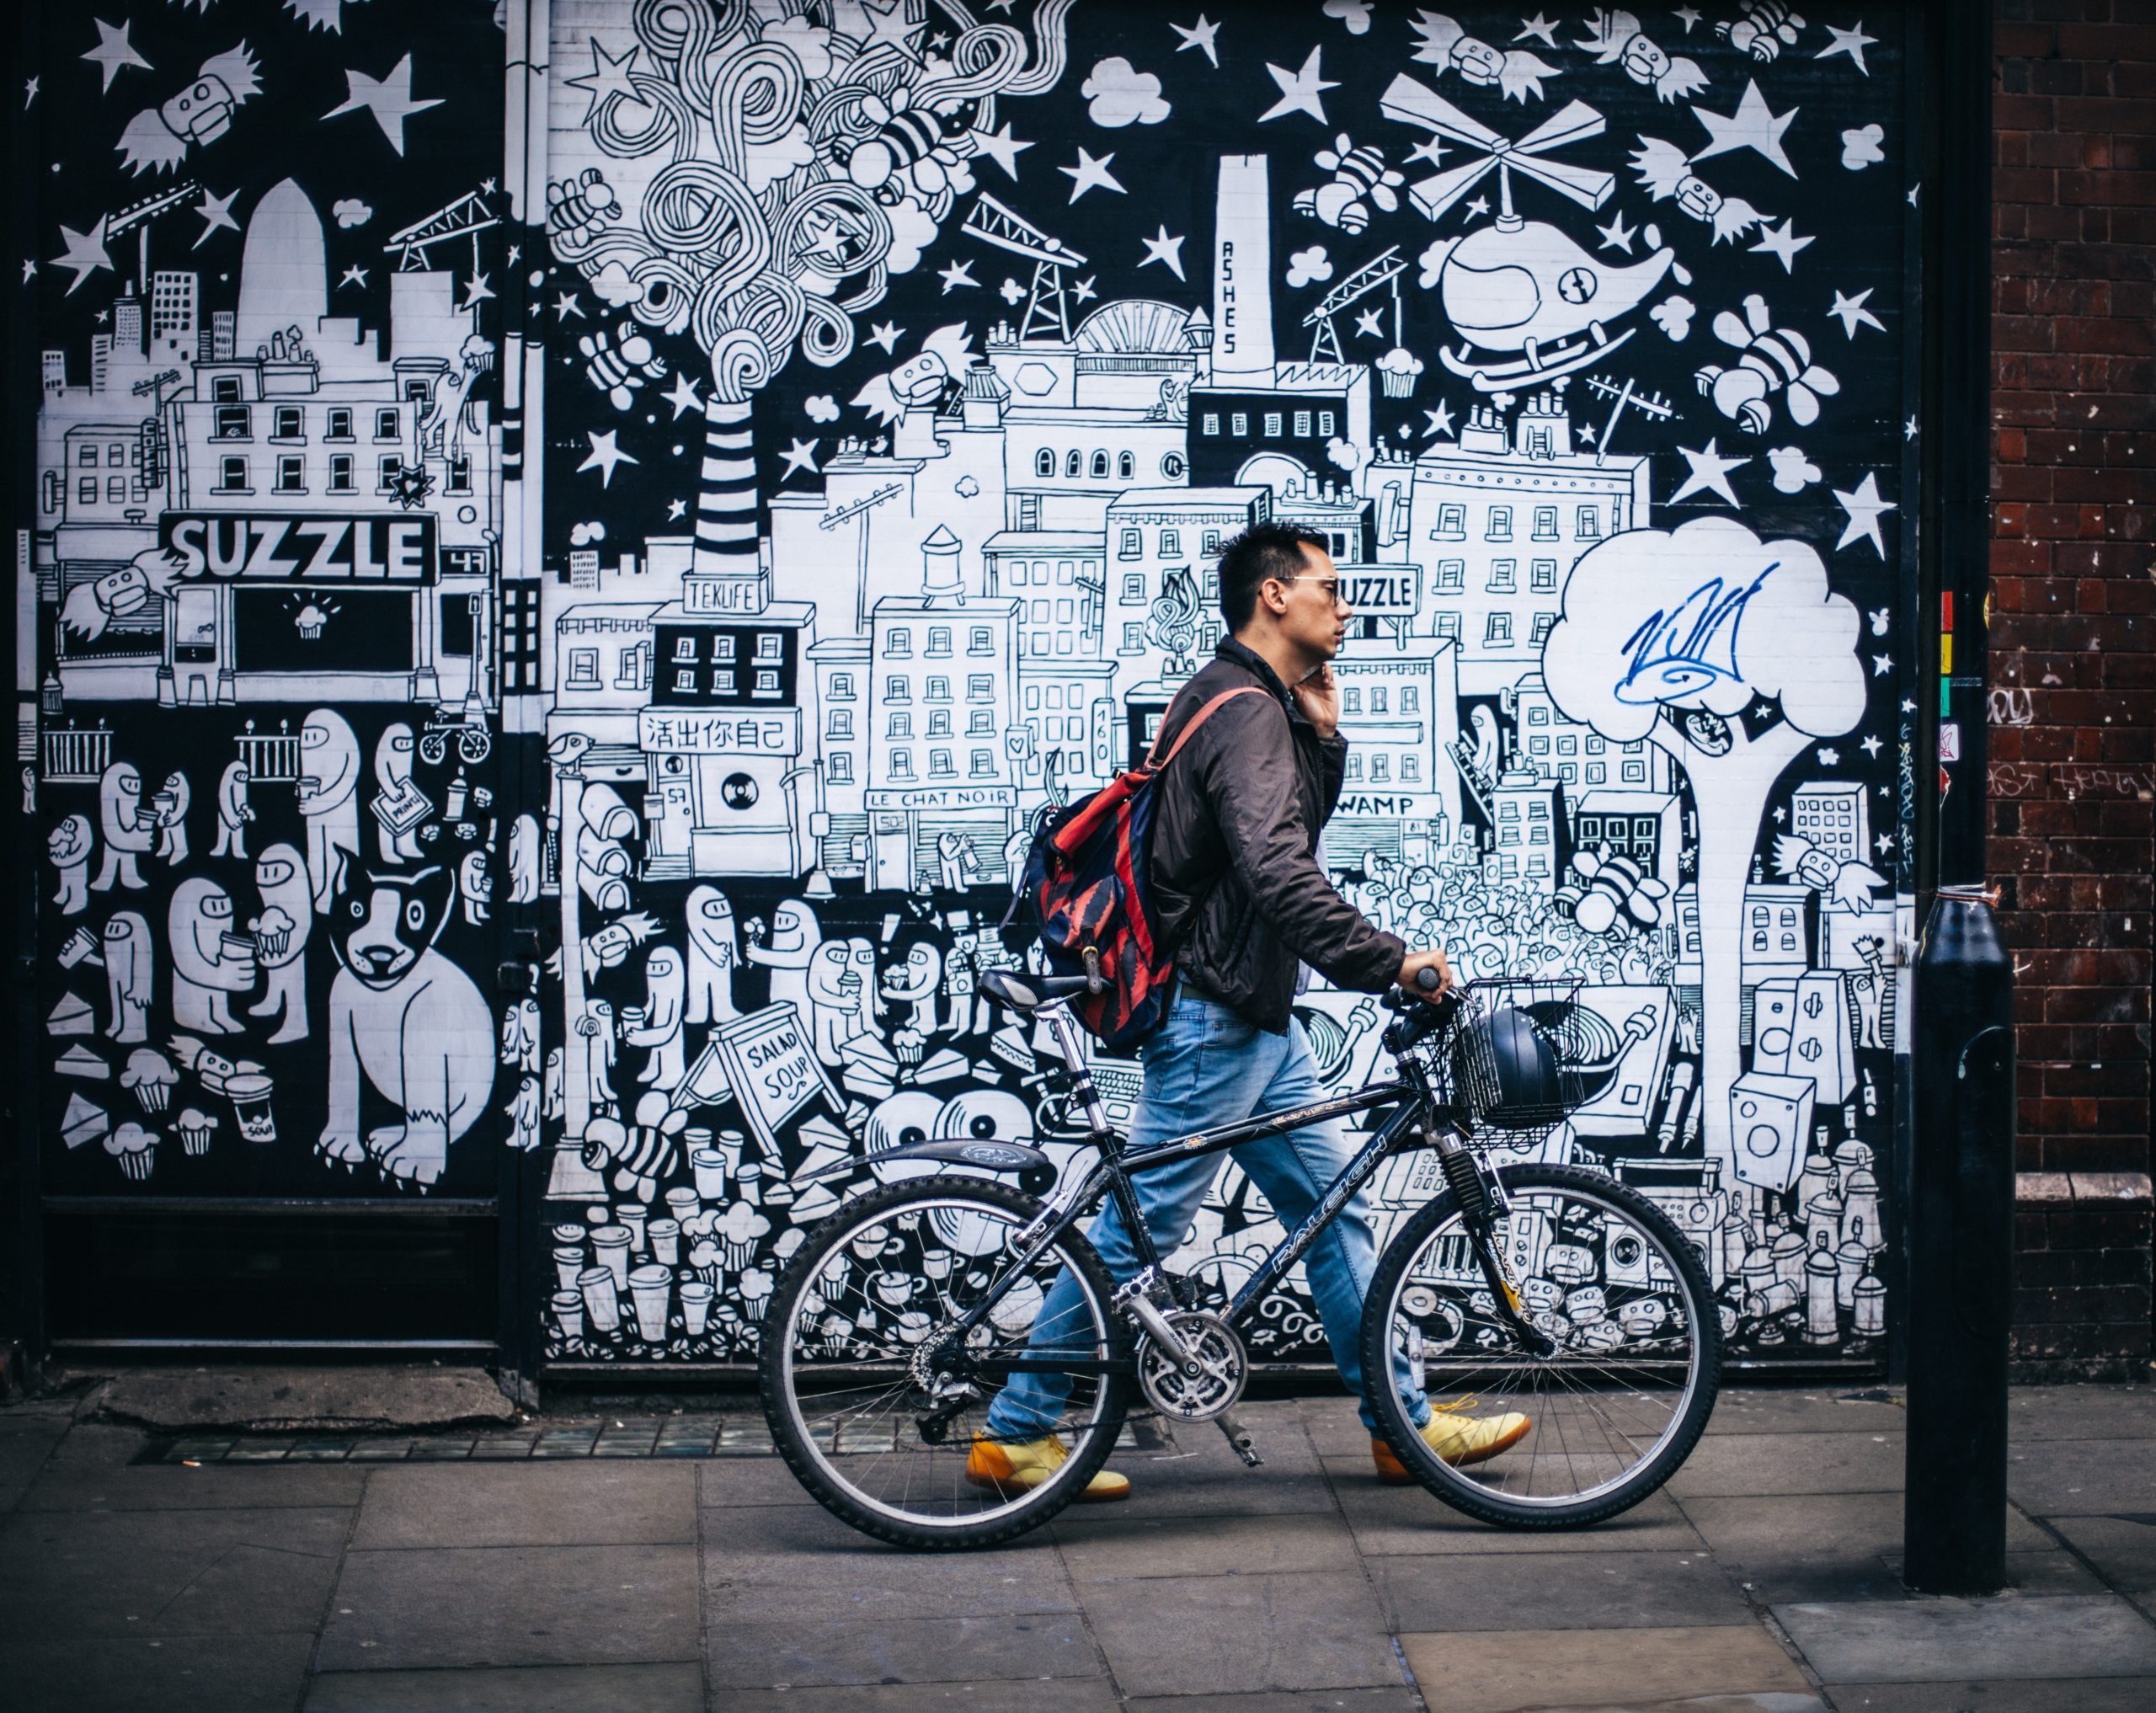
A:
[1518,284]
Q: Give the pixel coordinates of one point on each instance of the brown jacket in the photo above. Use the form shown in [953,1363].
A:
[1236,875]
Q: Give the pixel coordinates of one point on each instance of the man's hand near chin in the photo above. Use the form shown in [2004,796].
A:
[1318,696]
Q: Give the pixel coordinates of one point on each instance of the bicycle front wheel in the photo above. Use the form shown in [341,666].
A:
[1609,1414]
[878,1377]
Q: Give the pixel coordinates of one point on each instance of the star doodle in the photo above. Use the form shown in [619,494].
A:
[1617,236]
[607,78]
[1752,126]
[682,396]
[1003,148]
[29,270]
[390,100]
[114,50]
[1911,198]
[1865,508]
[1431,149]
[1854,314]
[1885,842]
[800,460]
[477,291]
[1091,173]
[1909,428]
[1166,250]
[1907,707]
[1781,243]
[956,274]
[1586,432]
[1688,16]
[566,306]
[676,510]
[1871,746]
[603,456]
[1083,290]
[1369,322]
[1780,816]
[1852,42]
[1881,664]
[1830,758]
[216,212]
[29,94]
[352,275]
[1710,473]
[1479,207]
[1440,419]
[1200,35]
[85,254]
[1539,27]
[1300,92]
[886,333]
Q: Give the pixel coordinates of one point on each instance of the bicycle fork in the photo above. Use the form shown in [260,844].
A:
[1480,1195]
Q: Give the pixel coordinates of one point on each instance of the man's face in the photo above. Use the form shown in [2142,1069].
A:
[1315,617]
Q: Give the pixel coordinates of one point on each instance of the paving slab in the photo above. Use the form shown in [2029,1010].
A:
[2083,1477]
[2123,1547]
[1402,1699]
[2030,1573]
[731,1482]
[1388,1520]
[1811,1410]
[166,1486]
[433,1607]
[158,1674]
[2081,1412]
[529,1504]
[1821,1546]
[1210,1635]
[833,1653]
[1100,1545]
[1049,1695]
[2045,1695]
[100,1442]
[1757,1463]
[1567,1590]
[163,1573]
[621,1689]
[273,1399]
[1502,1671]
[1941,1639]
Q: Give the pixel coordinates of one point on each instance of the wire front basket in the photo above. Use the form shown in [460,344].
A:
[1522,1055]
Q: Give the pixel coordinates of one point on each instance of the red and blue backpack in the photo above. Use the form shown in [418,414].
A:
[1088,883]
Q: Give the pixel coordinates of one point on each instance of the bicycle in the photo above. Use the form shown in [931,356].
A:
[1550,1289]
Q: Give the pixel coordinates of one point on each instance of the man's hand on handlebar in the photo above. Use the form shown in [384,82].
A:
[1426,975]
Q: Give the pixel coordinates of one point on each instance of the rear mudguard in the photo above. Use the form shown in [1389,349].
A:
[1034,1170]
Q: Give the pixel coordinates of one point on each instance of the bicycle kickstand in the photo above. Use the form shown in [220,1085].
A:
[1239,1437]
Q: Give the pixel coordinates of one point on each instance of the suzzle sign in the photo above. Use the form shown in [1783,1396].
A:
[293,547]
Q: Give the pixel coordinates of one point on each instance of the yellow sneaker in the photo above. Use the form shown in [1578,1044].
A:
[1002,1466]
[1457,1437]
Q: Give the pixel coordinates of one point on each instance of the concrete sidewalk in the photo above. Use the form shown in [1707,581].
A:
[1762,1581]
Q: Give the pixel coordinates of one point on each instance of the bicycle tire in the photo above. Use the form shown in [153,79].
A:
[1017,1518]
[1464,1493]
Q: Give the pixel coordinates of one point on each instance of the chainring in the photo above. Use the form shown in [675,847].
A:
[1223,1366]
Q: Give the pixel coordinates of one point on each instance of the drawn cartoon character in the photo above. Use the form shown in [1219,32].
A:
[280,935]
[521,1037]
[169,807]
[965,1012]
[833,1000]
[956,864]
[474,881]
[1360,177]
[159,137]
[523,859]
[659,1033]
[1615,36]
[130,963]
[128,832]
[409,1019]
[1770,360]
[597,1027]
[68,847]
[329,760]
[399,807]
[233,812]
[785,950]
[912,985]
[91,607]
[209,960]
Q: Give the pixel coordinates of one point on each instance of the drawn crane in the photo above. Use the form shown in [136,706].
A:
[468,216]
[1651,405]
[1048,304]
[1374,274]
[1413,104]
[137,217]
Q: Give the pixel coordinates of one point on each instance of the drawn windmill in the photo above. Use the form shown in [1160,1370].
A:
[1048,303]
[1518,285]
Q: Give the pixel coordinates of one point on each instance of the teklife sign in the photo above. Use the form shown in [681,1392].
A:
[227,547]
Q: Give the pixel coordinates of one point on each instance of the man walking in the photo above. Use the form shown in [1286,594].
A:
[1238,886]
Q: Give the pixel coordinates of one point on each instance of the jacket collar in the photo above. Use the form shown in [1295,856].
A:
[1241,655]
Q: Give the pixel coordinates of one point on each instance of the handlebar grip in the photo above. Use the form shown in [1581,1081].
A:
[1427,978]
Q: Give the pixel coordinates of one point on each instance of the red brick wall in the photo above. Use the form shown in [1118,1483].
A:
[2074,661]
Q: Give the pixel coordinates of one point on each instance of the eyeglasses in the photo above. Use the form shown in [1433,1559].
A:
[1328,586]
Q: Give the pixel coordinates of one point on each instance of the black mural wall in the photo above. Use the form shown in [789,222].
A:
[664,493]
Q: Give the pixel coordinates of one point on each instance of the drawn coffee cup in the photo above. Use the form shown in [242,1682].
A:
[568,1312]
[249,1092]
[600,1301]
[651,1289]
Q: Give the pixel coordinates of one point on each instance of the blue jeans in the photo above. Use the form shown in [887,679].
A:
[1205,1066]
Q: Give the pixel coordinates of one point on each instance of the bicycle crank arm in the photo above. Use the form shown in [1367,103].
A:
[1238,1436]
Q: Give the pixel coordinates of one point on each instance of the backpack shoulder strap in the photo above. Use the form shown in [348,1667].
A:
[1155,761]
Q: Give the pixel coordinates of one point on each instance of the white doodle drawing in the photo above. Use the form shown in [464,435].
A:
[1770,360]
[1763,30]
[1616,37]
[399,805]
[785,949]
[210,960]
[69,847]
[655,1027]
[281,933]
[1444,43]
[328,787]
[168,806]
[129,831]
[130,963]
[157,139]
[1667,172]
[1361,181]
[408,1021]
[234,812]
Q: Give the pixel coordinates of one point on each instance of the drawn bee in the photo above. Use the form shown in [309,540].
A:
[1356,174]
[920,145]
[1770,360]
[580,209]
[617,366]
[1615,35]
[1607,893]
[1766,28]
[642,1153]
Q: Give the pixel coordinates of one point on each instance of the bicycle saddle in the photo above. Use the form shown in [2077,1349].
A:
[1023,991]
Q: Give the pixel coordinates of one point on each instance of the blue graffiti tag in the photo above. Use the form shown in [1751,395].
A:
[1674,654]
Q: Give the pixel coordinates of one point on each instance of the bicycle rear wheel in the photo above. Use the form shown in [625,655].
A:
[874,1396]
[1617,1405]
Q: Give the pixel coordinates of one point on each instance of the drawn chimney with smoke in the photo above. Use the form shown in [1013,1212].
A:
[1242,272]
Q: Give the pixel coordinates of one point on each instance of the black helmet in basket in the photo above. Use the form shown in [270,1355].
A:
[1509,1074]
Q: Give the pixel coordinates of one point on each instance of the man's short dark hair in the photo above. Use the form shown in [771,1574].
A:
[1263,550]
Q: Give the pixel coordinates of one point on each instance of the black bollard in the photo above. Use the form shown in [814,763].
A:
[1961,1251]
